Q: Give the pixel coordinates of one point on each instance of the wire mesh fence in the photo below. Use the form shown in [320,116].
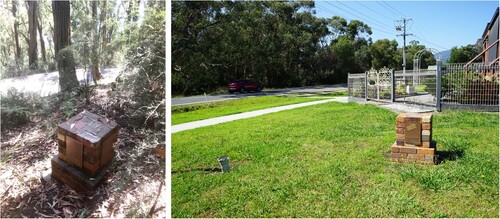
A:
[474,86]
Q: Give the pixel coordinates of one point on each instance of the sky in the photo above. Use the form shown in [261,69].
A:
[436,24]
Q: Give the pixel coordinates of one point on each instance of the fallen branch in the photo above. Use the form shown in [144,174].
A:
[150,114]
[156,200]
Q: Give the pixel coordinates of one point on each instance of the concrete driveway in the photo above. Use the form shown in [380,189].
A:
[221,97]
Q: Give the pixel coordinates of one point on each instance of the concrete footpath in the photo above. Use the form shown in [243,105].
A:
[222,119]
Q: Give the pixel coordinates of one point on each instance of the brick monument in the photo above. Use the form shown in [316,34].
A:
[85,150]
[414,139]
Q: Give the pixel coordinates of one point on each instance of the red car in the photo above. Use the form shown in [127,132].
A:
[243,85]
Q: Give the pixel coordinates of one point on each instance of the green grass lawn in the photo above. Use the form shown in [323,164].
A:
[328,161]
[189,113]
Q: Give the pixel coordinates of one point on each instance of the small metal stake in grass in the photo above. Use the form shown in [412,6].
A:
[224,163]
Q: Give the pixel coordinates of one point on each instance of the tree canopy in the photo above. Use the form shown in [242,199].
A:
[278,44]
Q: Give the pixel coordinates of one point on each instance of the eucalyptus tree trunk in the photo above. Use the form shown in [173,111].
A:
[95,45]
[32,25]
[16,32]
[42,42]
[62,39]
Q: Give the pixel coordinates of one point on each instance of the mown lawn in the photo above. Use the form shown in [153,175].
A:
[189,113]
[328,161]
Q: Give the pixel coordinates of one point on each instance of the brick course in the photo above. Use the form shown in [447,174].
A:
[419,147]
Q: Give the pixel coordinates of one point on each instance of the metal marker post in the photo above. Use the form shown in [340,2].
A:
[438,86]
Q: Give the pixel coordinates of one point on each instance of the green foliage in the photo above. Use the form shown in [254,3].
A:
[464,54]
[279,44]
[383,54]
[145,65]
[430,85]
[18,107]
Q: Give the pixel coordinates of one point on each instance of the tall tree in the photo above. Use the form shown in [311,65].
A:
[104,29]
[42,42]
[16,32]
[383,53]
[95,45]
[62,39]
[32,26]
[464,54]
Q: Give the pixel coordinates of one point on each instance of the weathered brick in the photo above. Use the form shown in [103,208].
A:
[400,136]
[426,126]
[400,130]
[400,125]
[401,117]
[426,144]
[427,117]
[426,151]
[426,132]
[408,150]
[61,137]
[400,142]
[398,155]
[394,149]
[416,156]
[61,143]
[429,158]
[426,138]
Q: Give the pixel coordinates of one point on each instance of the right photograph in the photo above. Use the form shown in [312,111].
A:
[335,109]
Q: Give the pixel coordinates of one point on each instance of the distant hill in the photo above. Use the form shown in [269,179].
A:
[445,55]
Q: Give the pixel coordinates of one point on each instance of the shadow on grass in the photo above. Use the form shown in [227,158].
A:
[452,155]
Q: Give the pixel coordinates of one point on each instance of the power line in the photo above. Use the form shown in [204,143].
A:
[394,9]
[378,13]
[424,39]
[333,13]
[387,8]
[364,15]
[359,18]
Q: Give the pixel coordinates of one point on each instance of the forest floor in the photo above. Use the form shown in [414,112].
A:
[133,186]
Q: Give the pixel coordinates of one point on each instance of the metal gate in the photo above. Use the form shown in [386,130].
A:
[379,84]
[416,86]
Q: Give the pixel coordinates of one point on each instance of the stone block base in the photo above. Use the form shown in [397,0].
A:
[414,154]
[75,178]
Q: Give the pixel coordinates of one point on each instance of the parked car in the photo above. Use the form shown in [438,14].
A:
[243,86]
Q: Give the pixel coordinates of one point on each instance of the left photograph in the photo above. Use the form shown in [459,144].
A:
[82,104]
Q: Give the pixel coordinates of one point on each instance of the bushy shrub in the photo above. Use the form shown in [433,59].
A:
[18,107]
[145,68]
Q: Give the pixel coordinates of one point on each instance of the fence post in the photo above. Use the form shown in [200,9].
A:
[366,86]
[393,86]
[438,86]
[348,86]
[377,82]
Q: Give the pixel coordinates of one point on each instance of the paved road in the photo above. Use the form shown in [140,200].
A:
[221,97]
[46,84]
[222,119]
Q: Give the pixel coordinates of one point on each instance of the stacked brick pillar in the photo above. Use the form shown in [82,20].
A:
[85,150]
[414,139]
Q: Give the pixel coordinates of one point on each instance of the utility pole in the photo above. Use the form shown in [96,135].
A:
[402,27]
